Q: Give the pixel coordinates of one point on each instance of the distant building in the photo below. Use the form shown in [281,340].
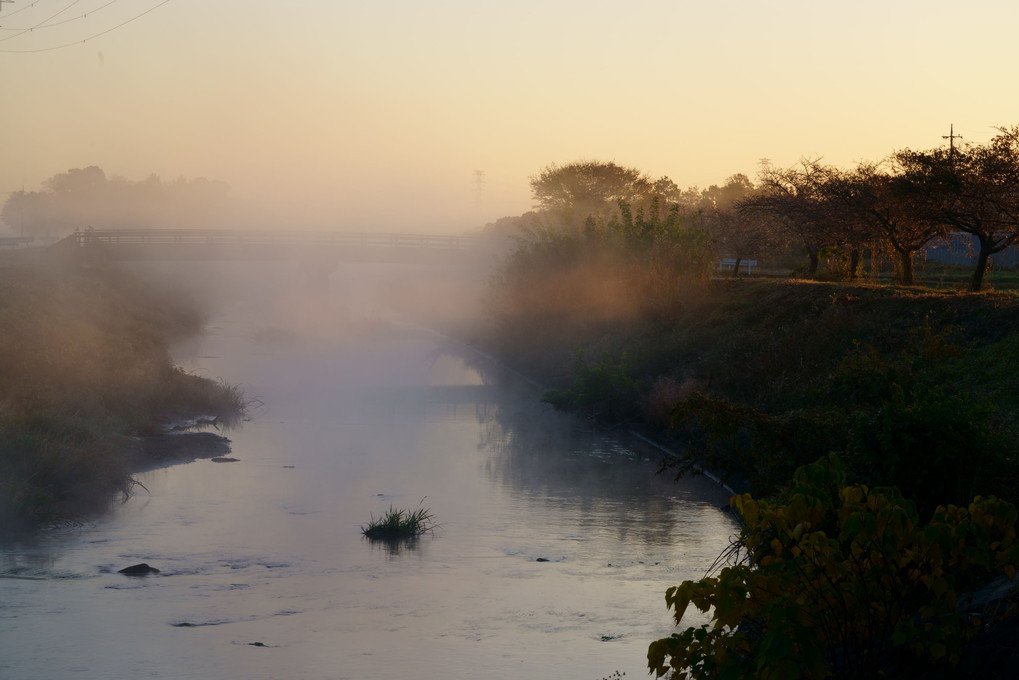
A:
[8,242]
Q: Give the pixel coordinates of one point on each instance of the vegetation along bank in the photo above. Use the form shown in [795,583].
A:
[862,399]
[84,370]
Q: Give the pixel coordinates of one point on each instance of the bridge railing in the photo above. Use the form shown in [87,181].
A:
[114,237]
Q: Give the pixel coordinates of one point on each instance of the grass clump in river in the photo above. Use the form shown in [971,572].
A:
[84,368]
[398,523]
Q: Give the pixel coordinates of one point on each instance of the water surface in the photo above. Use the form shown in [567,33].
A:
[556,544]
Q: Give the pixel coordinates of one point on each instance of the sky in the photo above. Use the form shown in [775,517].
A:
[417,116]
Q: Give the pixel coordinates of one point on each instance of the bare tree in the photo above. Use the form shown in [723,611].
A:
[794,203]
[879,200]
[971,189]
[736,233]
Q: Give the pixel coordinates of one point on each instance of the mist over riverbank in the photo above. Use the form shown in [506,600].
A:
[84,370]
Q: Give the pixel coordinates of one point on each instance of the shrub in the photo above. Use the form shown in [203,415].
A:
[603,390]
[837,580]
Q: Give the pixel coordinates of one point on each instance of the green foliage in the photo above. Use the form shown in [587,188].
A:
[898,418]
[561,286]
[926,358]
[602,390]
[837,580]
[590,189]
[908,418]
[914,440]
[398,523]
[744,444]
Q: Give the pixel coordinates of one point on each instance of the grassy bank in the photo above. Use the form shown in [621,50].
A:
[84,366]
[874,425]
[755,377]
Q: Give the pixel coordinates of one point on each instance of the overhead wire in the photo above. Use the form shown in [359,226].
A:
[42,23]
[57,23]
[91,37]
[21,9]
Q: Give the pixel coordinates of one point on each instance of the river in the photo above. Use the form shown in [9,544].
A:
[555,546]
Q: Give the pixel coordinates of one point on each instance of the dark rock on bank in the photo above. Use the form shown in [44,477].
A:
[149,453]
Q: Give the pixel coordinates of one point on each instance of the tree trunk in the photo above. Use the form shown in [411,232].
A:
[854,263]
[977,282]
[906,267]
[815,259]
[735,268]
[875,264]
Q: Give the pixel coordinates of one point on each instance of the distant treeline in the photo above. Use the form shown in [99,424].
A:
[846,222]
[80,198]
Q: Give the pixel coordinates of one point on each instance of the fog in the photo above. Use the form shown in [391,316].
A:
[431,117]
[555,540]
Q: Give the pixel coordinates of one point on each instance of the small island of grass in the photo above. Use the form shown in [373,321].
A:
[398,523]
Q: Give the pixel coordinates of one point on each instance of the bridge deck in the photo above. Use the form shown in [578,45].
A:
[223,244]
[263,237]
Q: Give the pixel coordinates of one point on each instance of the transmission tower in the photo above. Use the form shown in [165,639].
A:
[479,187]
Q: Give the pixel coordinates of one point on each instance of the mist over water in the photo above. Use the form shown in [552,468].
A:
[264,572]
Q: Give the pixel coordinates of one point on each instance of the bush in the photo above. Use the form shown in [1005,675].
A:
[603,390]
[837,580]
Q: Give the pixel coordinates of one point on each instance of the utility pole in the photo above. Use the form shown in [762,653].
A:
[479,187]
[951,137]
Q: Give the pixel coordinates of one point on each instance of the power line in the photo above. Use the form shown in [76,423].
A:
[38,27]
[28,6]
[951,137]
[41,23]
[91,37]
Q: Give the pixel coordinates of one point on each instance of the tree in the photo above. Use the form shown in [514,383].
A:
[737,233]
[27,212]
[86,197]
[573,192]
[971,189]
[793,199]
[882,204]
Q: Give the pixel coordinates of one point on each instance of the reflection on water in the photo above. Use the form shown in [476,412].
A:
[556,543]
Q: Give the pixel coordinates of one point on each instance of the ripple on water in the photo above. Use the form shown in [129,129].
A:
[220,621]
[36,574]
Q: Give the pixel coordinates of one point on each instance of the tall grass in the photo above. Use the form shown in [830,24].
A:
[84,366]
[398,523]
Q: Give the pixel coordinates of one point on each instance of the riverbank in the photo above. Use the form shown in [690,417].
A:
[85,371]
[753,378]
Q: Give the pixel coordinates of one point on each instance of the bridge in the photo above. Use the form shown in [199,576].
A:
[312,246]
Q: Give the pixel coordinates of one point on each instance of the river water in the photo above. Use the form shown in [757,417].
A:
[555,546]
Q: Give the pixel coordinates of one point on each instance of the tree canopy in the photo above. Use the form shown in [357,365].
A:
[84,197]
[582,189]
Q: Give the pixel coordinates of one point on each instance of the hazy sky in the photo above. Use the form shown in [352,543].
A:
[377,114]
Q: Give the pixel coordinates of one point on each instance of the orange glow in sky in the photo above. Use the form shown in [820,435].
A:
[363,114]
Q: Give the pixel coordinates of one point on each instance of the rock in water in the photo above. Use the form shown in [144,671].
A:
[138,570]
